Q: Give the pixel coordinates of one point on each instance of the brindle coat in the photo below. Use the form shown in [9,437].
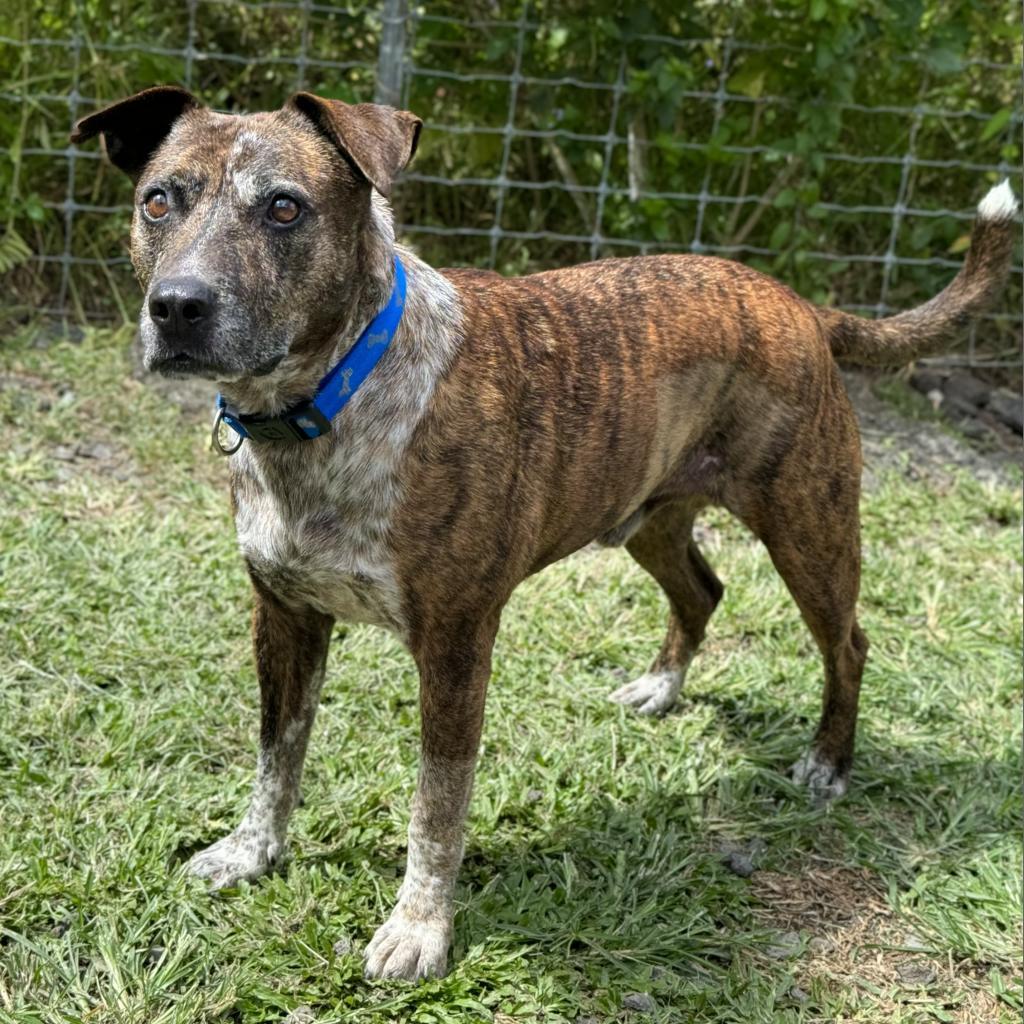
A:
[510,423]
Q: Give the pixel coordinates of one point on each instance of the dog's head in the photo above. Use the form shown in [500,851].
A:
[252,236]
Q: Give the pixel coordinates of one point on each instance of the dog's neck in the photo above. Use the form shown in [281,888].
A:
[298,375]
[394,397]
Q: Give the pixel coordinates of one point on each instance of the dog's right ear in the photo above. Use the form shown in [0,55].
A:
[133,129]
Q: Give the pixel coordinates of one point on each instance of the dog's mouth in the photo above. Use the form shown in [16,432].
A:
[185,364]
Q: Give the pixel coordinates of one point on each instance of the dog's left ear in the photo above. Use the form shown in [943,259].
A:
[133,128]
[377,141]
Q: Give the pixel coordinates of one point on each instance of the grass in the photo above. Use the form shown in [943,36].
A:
[594,867]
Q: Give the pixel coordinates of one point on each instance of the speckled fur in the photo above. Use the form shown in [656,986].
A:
[511,422]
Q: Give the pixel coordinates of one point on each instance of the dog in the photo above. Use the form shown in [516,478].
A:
[407,445]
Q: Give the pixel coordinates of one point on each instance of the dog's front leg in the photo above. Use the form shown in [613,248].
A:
[291,651]
[454,669]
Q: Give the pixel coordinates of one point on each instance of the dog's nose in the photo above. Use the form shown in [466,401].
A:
[181,307]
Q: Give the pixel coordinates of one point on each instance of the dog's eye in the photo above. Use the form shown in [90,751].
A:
[156,205]
[284,210]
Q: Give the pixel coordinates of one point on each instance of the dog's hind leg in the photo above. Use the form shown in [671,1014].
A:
[822,572]
[664,546]
[807,516]
[291,652]
[821,567]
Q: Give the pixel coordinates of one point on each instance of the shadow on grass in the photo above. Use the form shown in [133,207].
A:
[645,882]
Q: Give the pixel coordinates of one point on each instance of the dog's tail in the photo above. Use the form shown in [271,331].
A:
[925,329]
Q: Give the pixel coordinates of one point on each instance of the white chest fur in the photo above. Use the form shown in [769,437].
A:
[307,553]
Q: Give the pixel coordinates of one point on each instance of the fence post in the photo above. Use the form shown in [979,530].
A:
[392,52]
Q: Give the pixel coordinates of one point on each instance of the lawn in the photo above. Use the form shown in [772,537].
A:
[606,874]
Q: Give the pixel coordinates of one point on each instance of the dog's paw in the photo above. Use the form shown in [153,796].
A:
[241,856]
[820,776]
[652,694]
[406,948]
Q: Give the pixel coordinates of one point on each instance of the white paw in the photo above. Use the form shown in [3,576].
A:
[242,856]
[409,949]
[820,776]
[651,694]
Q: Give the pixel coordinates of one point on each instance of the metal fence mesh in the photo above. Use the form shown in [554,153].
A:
[569,165]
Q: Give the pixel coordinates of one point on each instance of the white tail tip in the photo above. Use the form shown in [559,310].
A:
[999,203]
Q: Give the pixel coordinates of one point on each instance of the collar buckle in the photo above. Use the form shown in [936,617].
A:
[303,423]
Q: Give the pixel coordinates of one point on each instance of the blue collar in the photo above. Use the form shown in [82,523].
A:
[310,419]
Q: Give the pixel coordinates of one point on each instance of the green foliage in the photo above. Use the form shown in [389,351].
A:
[14,251]
[790,95]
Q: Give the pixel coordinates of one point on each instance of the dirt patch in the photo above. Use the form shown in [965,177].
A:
[28,396]
[99,457]
[920,449]
[75,463]
[27,382]
[837,926]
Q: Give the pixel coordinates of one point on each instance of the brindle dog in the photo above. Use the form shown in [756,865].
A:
[511,422]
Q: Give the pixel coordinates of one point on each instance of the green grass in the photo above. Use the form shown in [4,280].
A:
[594,854]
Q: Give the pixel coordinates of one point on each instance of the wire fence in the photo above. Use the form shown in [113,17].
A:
[571,170]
